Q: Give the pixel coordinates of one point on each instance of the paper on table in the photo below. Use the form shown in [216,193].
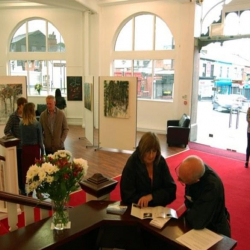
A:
[199,239]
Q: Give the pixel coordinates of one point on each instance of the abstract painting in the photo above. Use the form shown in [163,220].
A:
[74,88]
[116,99]
[9,93]
[88,96]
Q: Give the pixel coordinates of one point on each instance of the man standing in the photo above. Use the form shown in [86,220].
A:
[55,127]
[204,196]
[12,129]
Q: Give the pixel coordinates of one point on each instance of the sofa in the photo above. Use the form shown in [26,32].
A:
[178,131]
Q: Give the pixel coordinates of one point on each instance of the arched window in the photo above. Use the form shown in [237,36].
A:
[42,37]
[244,22]
[231,24]
[143,36]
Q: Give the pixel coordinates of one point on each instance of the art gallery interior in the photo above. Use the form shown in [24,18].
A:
[91,31]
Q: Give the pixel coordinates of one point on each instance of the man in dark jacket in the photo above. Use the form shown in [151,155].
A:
[204,196]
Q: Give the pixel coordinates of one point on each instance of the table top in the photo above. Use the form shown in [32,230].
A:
[90,216]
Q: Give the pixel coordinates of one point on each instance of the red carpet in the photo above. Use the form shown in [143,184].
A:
[236,179]
[217,151]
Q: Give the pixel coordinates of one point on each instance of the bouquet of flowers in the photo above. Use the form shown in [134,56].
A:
[38,87]
[55,177]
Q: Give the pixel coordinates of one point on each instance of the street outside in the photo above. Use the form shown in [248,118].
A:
[216,123]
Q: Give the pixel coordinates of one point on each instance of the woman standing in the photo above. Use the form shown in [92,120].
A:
[31,138]
[60,101]
[248,138]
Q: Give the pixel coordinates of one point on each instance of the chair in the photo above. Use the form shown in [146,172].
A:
[40,109]
[178,131]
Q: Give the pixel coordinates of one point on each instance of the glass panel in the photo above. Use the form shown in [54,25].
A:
[37,36]
[57,73]
[244,22]
[231,24]
[144,27]
[55,40]
[124,40]
[143,70]
[163,36]
[163,79]
[122,68]
[18,42]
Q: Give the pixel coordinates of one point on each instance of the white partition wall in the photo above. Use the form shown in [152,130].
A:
[89,108]
[118,131]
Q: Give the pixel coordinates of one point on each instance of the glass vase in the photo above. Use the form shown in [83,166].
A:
[60,217]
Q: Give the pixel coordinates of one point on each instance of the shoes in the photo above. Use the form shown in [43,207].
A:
[246,164]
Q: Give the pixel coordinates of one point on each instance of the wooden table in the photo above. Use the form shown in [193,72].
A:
[90,222]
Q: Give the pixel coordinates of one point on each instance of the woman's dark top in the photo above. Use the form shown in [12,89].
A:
[60,102]
[205,202]
[135,182]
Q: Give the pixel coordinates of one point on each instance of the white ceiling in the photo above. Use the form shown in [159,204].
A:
[82,5]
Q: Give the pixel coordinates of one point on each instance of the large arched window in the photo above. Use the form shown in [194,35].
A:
[143,36]
[40,36]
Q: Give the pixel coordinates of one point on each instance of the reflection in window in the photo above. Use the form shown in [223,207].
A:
[18,42]
[38,36]
[158,87]
[155,77]
[50,74]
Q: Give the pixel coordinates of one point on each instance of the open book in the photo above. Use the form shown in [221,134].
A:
[159,215]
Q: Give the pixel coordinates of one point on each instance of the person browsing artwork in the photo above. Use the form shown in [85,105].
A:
[60,101]
[204,196]
[12,129]
[31,138]
[146,179]
[54,125]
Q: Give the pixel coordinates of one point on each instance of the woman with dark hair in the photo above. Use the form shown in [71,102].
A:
[60,101]
[31,138]
[146,179]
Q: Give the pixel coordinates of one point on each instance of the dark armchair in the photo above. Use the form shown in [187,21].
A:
[178,131]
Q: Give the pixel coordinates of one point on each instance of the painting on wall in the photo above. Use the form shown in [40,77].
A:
[9,93]
[116,99]
[74,88]
[88,96]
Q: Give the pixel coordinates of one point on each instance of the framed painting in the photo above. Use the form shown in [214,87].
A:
[11,88]
[88,96]
[74,88]
[116,99]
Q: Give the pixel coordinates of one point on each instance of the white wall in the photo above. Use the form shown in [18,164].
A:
[152,115]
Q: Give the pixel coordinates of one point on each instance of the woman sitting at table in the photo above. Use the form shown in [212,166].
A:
[146,179]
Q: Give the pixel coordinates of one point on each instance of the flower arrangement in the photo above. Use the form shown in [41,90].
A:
[38,87]
[56,176]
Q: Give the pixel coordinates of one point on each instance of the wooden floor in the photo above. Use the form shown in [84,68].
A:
[109,163]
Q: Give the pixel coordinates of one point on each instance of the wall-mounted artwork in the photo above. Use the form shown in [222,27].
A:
[88,96]
[74,88]
[11,88]
[116,99]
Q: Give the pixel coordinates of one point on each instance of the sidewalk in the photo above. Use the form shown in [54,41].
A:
[216,124]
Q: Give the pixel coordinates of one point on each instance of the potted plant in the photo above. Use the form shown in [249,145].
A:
[38,87]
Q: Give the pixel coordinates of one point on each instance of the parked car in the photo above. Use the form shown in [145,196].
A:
[227,102]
